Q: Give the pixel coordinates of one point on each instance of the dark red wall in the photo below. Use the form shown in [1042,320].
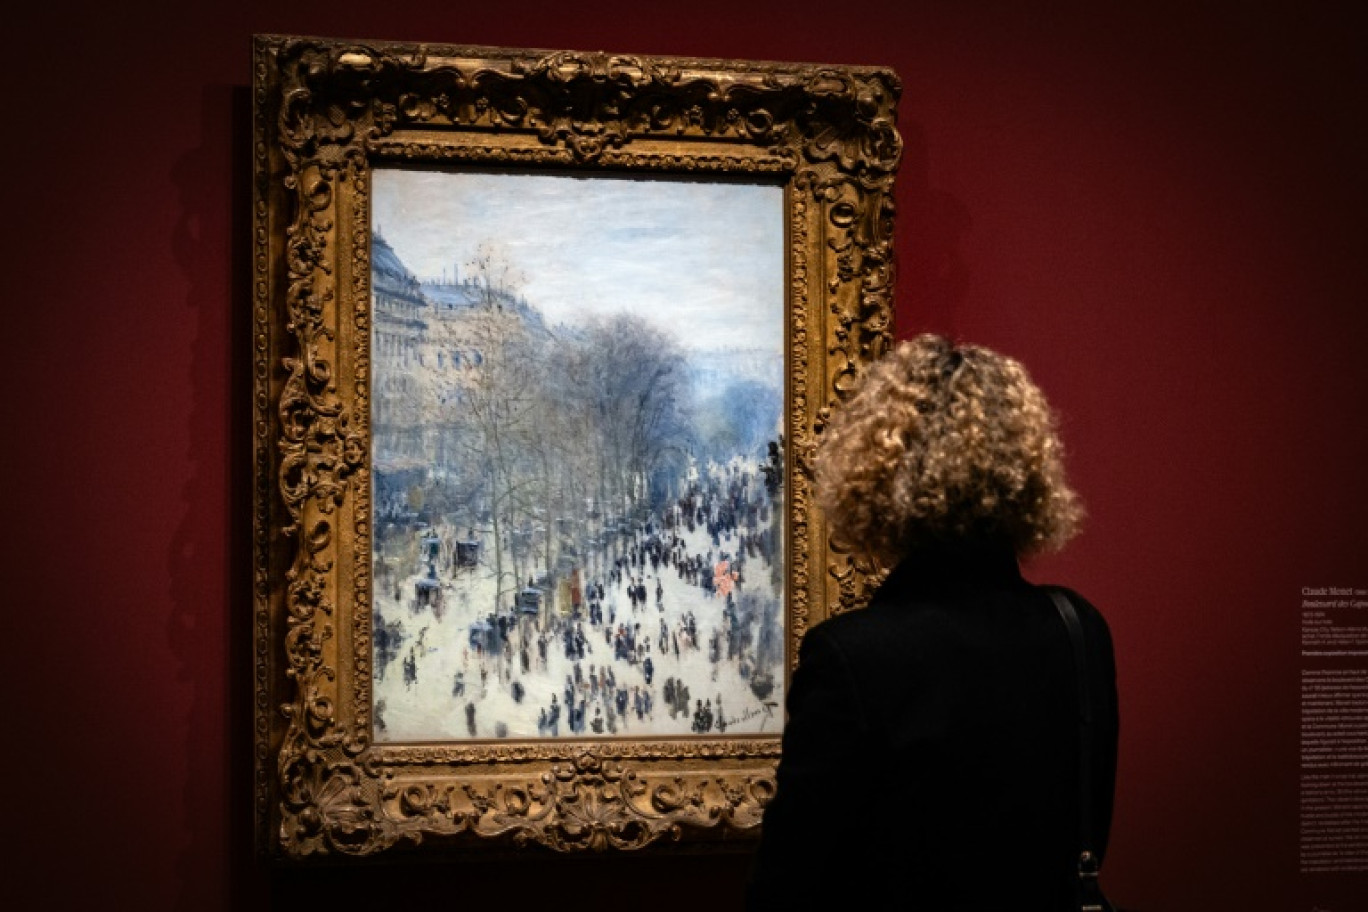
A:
[1161,211]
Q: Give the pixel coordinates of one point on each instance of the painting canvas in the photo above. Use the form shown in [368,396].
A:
[577,455]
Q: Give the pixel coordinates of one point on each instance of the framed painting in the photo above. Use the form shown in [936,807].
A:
[542,345]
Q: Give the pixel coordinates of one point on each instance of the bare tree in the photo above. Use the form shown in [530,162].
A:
[499,406]
[637,393]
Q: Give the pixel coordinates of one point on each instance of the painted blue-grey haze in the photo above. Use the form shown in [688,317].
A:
[577,453]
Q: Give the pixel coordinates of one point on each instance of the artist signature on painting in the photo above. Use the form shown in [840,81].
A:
[765,709]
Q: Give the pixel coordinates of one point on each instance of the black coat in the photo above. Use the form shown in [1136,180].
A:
[931,750]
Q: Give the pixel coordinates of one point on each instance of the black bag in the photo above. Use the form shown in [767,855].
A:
[1090,895]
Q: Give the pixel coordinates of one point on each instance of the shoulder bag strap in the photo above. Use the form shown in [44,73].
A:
[1089,865]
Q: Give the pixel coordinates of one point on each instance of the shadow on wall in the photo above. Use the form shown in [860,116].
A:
[217,749]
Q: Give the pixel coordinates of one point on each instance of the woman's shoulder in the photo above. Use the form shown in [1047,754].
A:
[895,606]
[1089,613]
[886,617]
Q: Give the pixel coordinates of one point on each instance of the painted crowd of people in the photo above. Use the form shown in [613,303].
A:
[614,621]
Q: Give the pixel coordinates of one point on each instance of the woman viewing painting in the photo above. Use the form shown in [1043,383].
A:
[931,752]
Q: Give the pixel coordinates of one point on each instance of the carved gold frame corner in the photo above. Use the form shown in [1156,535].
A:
[324,112]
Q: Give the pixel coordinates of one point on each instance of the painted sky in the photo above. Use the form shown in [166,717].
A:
[702,260]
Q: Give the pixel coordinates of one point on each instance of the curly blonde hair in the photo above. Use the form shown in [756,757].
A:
[945,445]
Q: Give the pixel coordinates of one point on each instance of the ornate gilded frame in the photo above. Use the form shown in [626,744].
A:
[323,112]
